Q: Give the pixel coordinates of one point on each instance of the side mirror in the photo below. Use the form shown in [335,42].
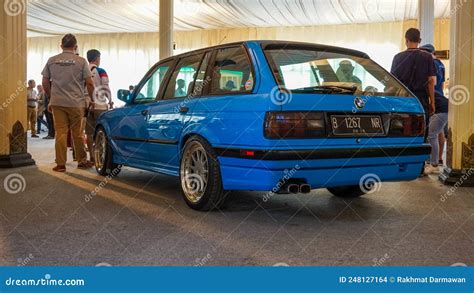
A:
[124,96]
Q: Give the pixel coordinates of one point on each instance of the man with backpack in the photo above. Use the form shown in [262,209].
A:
[102,97]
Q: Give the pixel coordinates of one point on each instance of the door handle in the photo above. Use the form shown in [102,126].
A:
[183,109]
[144,112]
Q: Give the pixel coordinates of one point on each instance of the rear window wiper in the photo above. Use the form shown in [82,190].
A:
[338,88]
[329,89]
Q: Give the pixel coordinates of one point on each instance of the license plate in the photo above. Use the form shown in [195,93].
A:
[357,125]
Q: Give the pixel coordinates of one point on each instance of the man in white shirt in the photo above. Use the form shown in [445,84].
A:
[102,97]
[31,99]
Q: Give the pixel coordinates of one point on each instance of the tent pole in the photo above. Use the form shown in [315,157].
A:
[166,28]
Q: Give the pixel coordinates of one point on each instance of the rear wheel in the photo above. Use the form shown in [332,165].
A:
[348,191]
[103,154]
[200,175]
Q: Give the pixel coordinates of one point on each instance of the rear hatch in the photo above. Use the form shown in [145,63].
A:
[332,96]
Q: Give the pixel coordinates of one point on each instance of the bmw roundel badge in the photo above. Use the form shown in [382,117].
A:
[359,103]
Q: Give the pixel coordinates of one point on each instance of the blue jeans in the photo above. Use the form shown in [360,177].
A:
[39,121]
[437,123]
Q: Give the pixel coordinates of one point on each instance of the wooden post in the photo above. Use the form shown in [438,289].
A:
[13,127]
[460,151]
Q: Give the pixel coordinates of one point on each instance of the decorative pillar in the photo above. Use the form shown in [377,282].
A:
[460,150]
[166,28]
[13,122]
[426,20]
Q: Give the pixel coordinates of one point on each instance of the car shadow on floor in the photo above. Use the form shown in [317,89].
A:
[160,189]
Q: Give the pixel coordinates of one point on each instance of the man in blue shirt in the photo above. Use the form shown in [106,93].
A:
[439,120]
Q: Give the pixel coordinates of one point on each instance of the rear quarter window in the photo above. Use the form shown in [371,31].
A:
[231,72]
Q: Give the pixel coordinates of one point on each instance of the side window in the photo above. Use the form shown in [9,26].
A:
[150,89]
[182,80]
[231,72]
[201,79]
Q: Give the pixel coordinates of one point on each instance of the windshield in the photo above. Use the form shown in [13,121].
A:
[312,71]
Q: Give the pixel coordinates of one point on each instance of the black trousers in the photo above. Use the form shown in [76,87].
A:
[50,122]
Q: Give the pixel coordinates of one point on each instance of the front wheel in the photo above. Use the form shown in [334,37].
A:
[200,175]
[348,191]
[103,154]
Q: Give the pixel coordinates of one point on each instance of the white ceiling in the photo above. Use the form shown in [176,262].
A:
[49,17]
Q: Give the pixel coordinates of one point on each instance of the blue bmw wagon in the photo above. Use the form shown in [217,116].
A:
[283,117]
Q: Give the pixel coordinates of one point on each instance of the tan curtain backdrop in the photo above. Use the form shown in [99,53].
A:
[127,56]
[47,17]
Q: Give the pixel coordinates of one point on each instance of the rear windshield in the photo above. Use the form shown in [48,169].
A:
[313,71]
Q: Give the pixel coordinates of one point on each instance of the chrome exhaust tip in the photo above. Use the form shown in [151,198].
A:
[293,188]
[305,188]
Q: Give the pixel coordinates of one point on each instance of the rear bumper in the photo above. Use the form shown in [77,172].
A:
[320,167]
[318,154]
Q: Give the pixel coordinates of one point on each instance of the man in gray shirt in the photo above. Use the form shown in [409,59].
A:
[64,77]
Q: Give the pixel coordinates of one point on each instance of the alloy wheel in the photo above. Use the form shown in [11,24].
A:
[194,171]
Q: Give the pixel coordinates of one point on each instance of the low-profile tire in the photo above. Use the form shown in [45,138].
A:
[347,191]
[103,155]
[200,175]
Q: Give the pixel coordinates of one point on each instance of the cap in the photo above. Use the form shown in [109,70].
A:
[428,47]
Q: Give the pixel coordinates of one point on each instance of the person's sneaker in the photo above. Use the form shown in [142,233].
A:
[440,162]
[430,169]
[85,165]
[59,168]
[34,135]
[48,137]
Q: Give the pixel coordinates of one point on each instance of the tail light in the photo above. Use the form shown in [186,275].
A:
[294,125]
[407,125]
